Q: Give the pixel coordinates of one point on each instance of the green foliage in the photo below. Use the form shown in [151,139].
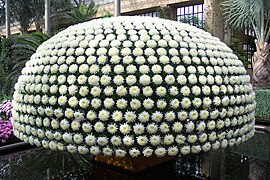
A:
[15,51]
[83,12]
[164,12]
[26,12]
[192,20]
[5,97]
[107,14]
[242,13]
[263,103]
[236,46]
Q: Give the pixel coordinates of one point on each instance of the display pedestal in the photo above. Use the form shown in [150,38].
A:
[133,165]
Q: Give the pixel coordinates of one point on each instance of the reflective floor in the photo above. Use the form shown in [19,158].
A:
[250,160]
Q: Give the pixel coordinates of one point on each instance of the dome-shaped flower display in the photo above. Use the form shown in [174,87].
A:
[134,86]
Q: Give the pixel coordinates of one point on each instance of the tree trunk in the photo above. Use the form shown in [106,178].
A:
[261,66]
[37,24]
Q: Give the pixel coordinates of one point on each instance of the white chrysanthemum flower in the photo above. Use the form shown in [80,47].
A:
[175,103]
[118,69]
[157,79]
[86,127]
[177,127]
[73,101]
[164,127]
[185,150]
[64,124]
[138,128]
[161,91]
[182,80]
[190,126]
[83,91]
[156,69]
[105,80]
[61,79]
[75,125]
[196,149]
[131,79]
[130,116]
[94,69]
[78,138]
[144,116]
[103,59]
[148,103]
[108,91]
[78,115]
[147,152]
[120,153]
[102,141]
[160,152]
[144,69]
[106,69]
[103,115]
[84,103]
[121,103]
[90,140]
[210,79]
[168,139]
[170,116]
[99,127]
[73,68]
[93,80]
[108,103]
[193,115]
[142,140]
[128,140]
[96,103]
[116,140]
[121,91]
[169,79]
[91,115]
[155,140]
[152,59]
[147,91]
[137,51]
[186,103]
[185,91]
[133,152]
[145,80]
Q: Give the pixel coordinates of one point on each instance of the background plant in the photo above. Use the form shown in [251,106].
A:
[244,13]
[262,103]
[15,51]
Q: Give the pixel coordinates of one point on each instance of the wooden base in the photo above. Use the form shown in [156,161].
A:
[132,164]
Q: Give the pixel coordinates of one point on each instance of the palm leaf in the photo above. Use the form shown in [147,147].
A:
[243,13]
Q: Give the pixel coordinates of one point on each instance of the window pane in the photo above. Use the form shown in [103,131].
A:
[182,11]
[195,9]
[191,14]
[190,9]
[186,10]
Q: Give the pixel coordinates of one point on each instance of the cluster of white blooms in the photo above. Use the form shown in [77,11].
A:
[133,85]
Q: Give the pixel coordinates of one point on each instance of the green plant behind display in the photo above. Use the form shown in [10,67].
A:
[263,104]
[83,12]
[192,20]
[236,46]
[15,51]
[164,12]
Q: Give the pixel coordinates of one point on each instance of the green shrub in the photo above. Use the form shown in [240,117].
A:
[14,52]
[263,103]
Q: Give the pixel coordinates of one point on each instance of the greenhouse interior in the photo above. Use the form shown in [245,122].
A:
[134,89]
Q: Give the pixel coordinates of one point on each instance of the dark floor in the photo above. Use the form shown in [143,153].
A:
[250,160]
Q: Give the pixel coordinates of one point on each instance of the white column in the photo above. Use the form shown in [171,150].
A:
[7,14]
[47,16]
[117,8]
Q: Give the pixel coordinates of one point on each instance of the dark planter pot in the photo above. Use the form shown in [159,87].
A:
[19,146]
